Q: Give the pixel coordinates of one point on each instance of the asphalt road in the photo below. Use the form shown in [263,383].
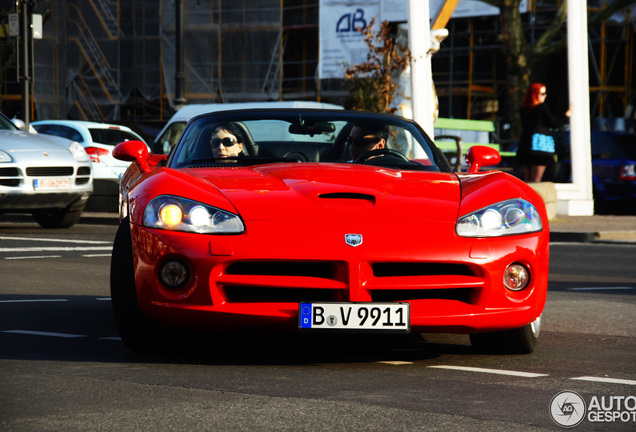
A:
[62,366]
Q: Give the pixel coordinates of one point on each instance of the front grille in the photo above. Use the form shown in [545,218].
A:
[285,268]
[284,281]
[463,295]
[10,172]
[82,180]
[420,269]
[83,171]
[9,182]
[250,294]
[49,171]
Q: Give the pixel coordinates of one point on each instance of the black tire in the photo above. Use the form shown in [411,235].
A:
[521,340]
[137,332]
[62,218]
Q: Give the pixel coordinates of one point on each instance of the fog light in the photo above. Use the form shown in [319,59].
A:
[516,277]
[174,274]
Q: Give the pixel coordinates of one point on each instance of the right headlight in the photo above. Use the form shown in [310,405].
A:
[175,213]
[5,157]
[510,217]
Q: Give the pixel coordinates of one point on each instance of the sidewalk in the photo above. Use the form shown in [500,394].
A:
[593,228]
[562,228]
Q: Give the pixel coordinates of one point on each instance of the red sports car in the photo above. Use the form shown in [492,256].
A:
[325,220]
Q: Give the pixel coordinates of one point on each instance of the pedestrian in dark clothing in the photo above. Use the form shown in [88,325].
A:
[536,146]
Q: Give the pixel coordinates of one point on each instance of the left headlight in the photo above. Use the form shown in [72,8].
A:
[515,216]
[78,152]
[181,214]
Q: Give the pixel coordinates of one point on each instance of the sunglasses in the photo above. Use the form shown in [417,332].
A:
[359,142]
[227,142]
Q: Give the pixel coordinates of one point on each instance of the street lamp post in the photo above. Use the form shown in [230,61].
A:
[179,96]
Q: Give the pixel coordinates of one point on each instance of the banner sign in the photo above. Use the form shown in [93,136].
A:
[341,44]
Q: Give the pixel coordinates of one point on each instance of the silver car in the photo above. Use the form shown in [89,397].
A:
[46,176]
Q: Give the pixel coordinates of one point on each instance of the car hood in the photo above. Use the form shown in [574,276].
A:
[19,142]
[336,191]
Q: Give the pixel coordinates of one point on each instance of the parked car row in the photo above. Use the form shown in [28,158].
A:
[49,177]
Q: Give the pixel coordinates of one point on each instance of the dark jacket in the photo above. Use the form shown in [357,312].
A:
[537,119]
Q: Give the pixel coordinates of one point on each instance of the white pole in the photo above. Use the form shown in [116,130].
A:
[576,198]
[421,71]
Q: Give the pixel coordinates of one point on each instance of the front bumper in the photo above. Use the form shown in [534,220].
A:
[258,279]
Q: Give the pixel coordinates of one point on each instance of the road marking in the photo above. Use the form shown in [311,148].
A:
[96,255]
[56,240]
[57,249]
[33,301]
[396,363]
[38,333]
[490,371]
[600,289]
[33,257]
[605,380]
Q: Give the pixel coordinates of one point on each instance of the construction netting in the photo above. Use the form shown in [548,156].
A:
[112,59]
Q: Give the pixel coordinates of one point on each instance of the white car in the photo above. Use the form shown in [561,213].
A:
[49,177]
[98,139]
[171,132]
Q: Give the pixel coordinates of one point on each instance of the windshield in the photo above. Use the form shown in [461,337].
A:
[276,136]
[5,124]
[112,136]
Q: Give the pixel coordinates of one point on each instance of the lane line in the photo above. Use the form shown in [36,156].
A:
[600,288]
[57,249]
[490,371]
[605,380]
[95,255]
[32,257]
[33,301]
[56,240]
[39,333]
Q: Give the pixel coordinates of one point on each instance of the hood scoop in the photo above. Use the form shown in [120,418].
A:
[348,199]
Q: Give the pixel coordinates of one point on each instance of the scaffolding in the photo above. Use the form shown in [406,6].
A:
[111,60]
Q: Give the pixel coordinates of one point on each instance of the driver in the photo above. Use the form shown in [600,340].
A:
[366,137]
[227,141]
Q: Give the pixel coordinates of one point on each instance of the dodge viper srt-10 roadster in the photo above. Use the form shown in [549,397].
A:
[325,221]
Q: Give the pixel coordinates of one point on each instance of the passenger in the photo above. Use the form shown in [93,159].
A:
[366,137]
[227,141]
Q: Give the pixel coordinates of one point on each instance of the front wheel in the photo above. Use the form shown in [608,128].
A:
[137,332]
[60,218]
[521,340]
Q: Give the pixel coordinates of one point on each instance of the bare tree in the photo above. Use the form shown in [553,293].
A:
[371,85]
[521,55]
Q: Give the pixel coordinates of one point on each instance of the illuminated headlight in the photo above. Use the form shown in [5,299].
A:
[78,152]
[181,214]
[509,217]
[4,157]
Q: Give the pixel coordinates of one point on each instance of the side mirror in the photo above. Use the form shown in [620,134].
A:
[478,156]
[132,151]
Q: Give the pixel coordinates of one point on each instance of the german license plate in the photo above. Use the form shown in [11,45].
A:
[52,183]
[380,317]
